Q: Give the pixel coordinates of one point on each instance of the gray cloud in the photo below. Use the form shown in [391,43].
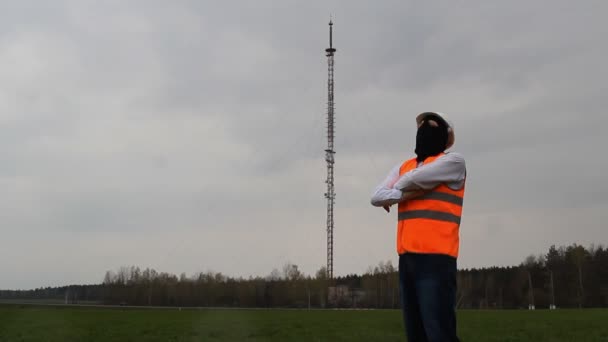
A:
[189,135]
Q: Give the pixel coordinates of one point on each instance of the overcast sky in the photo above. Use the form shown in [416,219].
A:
[188,136]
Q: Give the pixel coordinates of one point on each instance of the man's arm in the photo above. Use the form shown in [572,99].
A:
[448,169]
[385,194]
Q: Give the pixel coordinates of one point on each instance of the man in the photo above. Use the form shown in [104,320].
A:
[429,191]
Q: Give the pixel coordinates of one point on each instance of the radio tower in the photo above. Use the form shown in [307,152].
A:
[329,155]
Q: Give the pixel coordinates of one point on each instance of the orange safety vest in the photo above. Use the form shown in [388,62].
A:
[430,223]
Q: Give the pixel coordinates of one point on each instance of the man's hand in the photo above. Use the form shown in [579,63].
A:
[406,195]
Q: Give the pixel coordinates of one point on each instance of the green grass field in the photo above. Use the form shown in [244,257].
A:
[39,323]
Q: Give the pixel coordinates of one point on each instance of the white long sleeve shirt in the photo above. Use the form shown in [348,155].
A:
[449,169]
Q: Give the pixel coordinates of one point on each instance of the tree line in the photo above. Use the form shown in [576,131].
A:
[568,276]
[571,276]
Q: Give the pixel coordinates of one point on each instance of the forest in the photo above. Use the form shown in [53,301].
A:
[567,277]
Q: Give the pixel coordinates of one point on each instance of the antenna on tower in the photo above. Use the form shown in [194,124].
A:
[329,153]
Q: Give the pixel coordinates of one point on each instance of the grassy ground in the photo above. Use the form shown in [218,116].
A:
[29,323]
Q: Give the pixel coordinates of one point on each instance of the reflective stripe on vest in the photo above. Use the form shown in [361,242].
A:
[441,196]
[430,223]
[429,214]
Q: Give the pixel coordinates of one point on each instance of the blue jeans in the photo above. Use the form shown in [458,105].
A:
[428,292]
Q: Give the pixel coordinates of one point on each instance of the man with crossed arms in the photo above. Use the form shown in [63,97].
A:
[429,192]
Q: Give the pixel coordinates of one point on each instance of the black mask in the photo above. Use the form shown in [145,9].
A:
[431,141]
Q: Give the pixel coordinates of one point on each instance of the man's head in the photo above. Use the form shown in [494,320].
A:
[434,135]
